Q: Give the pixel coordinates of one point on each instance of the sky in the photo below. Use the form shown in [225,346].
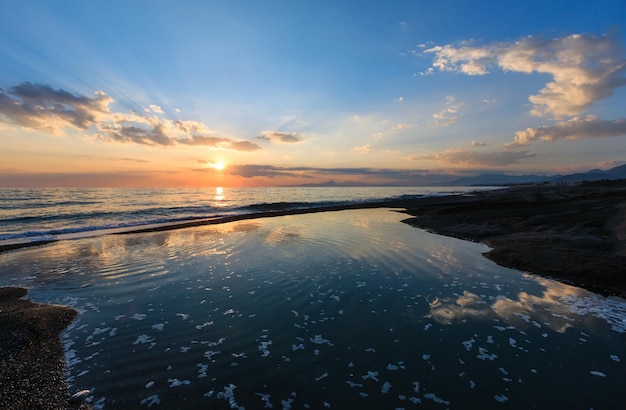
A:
[270,93]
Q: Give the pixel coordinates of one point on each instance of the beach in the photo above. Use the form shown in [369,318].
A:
[576,235]
[33,366]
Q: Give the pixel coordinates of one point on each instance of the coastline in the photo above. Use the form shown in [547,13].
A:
[574,234]
[33,365]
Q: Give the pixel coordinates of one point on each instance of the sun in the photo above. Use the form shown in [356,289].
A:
[218,165]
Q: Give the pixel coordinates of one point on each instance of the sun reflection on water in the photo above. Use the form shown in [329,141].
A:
[219,194]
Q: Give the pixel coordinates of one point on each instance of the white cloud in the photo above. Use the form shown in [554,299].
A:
[399,99]
[362,149]
[358,118]
[449,114]
[401,126]
[156,109]
[478,144]
[40,107]
[281,137]
[574,129]
[584,68]
[459,156]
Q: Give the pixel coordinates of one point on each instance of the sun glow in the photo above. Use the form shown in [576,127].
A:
[218,165]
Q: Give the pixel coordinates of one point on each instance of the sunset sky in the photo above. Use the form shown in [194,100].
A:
[258,93]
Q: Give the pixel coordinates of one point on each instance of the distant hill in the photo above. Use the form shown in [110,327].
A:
[496,179]
[500,179]
[594,175]
[503,179]
[332,184]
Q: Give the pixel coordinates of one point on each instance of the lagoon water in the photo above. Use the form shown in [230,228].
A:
[349,309]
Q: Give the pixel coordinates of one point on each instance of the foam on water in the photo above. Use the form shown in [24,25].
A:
[412,330]
[31,215]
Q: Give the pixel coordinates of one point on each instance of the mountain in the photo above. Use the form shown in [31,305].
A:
[503,179]
[593,175]
[331,184]
[500,179]
[496,179]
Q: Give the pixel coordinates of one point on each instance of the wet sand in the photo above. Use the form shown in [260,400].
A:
[32,370]
[573,234]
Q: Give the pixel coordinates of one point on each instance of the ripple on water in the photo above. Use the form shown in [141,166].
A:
[341,310]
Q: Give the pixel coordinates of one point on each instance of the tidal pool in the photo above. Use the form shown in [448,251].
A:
[349,309]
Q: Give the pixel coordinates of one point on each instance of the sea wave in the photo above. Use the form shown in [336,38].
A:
[97,212]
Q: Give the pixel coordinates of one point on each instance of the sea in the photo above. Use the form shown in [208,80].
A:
[349,309]
[44,214]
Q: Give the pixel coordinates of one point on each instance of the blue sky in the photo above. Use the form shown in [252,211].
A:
[281,92]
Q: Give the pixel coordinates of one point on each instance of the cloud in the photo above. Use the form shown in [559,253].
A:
[281,137]
[40,107]
[399,99]
[156,108]
[360,119]
[584,68]
[364,149]
[367,175]
[267,171]
[116,159]
[219,143]
[478,144]
[246,146]
[124,178]
[134,134]
[458,156]
[401,126]
[575,129]
[449,114]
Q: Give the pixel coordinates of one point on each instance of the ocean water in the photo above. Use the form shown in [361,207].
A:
[43,214]
[340,310]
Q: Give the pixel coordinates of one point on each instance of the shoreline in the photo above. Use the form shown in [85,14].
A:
[32,357]
[573,234]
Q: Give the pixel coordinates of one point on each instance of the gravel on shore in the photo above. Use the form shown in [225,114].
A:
[32,371]
[574,234]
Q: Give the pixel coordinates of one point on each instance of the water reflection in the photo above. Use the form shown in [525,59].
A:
[523,310]
[352,309]
[219,195]
[468,305]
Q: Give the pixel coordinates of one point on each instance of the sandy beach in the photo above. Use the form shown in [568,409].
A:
[572,234]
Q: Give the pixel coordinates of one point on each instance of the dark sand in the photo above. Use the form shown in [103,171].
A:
[573,234]
[32,370]
[576,234]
